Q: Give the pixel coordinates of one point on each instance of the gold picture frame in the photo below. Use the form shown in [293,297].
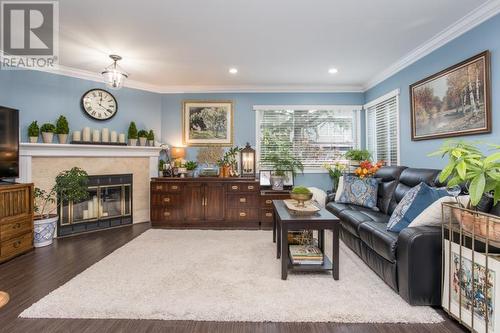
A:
[207,123]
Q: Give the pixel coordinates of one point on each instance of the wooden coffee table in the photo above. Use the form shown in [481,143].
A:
[284,221]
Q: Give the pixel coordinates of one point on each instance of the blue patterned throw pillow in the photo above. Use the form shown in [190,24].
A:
[413,203]
[361,192]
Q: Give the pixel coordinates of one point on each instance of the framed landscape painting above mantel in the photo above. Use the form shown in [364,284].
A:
[207,123]
[453,102]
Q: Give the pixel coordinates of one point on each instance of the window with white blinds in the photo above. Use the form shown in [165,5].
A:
[382,128]
[314,134]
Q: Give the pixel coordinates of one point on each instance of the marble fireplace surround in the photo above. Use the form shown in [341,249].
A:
[40,164]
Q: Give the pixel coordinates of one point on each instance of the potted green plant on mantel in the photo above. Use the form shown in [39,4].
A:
[47,130]
[480,174]
[70,186]
[190,167]
[33,132]
[151,138]
[132,134]
[143,137]
[62,129]
[282,160]
[356,156]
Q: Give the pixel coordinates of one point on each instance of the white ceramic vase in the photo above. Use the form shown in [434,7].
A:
[44,230]
[47,137]
[151,143]
[142,141]
[33,139]
[62,138]
[132,142]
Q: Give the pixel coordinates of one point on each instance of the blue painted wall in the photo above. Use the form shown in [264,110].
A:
[244,118]
[483,37]
[44,97]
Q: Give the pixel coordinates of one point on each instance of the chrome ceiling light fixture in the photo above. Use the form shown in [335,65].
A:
[114,75]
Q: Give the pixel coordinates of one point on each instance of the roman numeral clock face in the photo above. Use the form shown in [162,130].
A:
[99,104]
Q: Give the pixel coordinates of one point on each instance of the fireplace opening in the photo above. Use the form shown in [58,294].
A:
[108,205]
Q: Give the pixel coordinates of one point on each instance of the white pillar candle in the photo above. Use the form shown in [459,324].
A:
[114,136]
[121,138]
[77,136]
[86,134]
[105,135]
[96,136]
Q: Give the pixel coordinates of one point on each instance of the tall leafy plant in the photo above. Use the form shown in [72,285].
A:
[62,126]
[468,165]
[132,131]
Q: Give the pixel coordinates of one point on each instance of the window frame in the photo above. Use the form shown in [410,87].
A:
[383,99]
[258,117]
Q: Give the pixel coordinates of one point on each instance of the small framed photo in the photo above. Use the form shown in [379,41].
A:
[288,181]
[265,177]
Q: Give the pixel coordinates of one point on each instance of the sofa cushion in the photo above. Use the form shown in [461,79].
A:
[376,237]
[351,219]
[359,191]
[388,179]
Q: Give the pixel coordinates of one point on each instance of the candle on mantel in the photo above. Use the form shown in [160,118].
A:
[96,136]
[121,138]
[77,136]
[86,134]
[105,135]
[114,136]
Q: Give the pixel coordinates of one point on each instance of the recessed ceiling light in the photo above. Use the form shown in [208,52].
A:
[233,70]
[333,71]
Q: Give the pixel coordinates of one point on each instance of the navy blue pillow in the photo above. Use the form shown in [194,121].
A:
[413,203]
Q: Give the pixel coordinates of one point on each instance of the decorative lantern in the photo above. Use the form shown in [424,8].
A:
[247,161]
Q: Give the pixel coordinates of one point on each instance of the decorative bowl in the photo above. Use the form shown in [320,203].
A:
[301,198]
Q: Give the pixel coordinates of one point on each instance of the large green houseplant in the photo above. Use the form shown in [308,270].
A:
[70,185]
[282,161]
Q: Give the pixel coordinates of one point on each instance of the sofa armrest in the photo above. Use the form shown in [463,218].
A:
[330,196]
[419,265]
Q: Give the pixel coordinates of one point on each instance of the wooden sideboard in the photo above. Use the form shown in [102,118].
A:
[205,202]
[16,220]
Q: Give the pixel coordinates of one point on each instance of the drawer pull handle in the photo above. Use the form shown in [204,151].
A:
[250,187]
[166,214]
[269,214]
[16,244]
[269,202]
[243,214]
[175,187]
[166,199]
[234,187]
[159,187]
[243,200]
[17,226]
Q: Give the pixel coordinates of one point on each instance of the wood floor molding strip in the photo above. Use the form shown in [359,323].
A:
[33,275]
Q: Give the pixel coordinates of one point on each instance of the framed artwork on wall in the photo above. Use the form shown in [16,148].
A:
[207,123]
[453,102]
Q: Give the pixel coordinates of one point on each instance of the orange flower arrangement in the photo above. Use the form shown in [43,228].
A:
[367,168]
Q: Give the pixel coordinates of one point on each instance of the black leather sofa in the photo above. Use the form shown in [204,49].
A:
[409,262]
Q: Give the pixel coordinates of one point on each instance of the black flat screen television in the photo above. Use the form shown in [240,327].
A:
[9,143]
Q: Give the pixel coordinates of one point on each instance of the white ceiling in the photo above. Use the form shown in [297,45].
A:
[275,44]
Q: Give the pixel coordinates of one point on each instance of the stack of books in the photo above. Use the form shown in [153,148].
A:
[306,255]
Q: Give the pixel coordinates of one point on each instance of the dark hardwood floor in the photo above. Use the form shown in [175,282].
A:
[33,275]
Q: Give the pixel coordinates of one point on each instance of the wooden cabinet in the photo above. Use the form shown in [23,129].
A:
[205,202]
[266,206]
[16,220]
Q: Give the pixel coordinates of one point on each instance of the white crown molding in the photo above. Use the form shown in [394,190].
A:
[466,23]
[261,89]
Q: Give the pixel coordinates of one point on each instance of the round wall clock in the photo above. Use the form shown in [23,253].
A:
[99,104]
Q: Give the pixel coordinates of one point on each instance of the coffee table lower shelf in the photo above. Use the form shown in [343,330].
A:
[326,266]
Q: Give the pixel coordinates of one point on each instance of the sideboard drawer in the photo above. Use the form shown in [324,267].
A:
[16,245]
[243,214]
[243,187]
[165,199]
[266,215]
[242,200]
[166,187]
[15,228]
[166,214]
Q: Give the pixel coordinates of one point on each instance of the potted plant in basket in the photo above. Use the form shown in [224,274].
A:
[151,138]
[228,162]
[70,185]
[190,167]
[143,137]
[132,134]
[356,156]
[282,160]
[47,130]
[33,132]
[480,174]
[62,129]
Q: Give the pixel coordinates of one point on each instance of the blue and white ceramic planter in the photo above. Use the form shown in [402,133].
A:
[44,231]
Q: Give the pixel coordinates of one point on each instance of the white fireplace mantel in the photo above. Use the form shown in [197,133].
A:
[29,150]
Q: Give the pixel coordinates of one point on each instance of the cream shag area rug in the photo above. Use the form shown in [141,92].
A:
[223,276]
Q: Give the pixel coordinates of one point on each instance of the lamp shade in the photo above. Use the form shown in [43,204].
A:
[178,152]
